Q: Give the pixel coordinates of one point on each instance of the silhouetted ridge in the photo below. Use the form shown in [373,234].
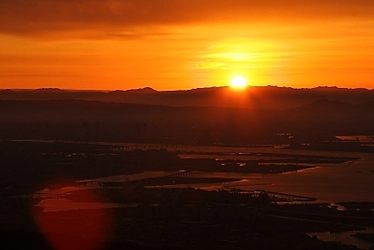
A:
[324,105]
[365,106]
[254,97]
[146,90]
[49,89]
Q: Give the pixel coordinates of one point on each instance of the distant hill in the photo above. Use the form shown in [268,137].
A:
[336,106]
[324,106]
[264,97]
[199,116]
[50,90]
[109,121]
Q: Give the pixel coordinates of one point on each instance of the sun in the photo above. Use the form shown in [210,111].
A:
[238,82]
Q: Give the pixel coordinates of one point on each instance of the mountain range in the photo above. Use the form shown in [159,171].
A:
[209,115]
[263,97]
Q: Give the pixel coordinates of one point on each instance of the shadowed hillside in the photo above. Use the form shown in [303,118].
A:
[268,97]
[123,122]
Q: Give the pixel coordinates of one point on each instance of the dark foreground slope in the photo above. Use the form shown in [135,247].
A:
[103,121]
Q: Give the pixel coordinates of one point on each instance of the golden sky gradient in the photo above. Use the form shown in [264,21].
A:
[184,44]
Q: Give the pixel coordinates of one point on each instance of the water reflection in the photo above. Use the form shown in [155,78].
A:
[330,183]
[345,237]
[62,204]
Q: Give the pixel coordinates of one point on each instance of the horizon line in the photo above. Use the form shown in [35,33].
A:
[175,90]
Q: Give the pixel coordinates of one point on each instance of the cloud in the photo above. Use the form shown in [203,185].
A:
[36,17]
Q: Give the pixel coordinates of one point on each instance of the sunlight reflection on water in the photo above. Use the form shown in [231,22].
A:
[329,183]
[345,237]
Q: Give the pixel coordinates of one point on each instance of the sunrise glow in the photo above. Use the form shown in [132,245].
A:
[238,82]
[129,44]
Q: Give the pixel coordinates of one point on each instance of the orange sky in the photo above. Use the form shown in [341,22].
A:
[184,44]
